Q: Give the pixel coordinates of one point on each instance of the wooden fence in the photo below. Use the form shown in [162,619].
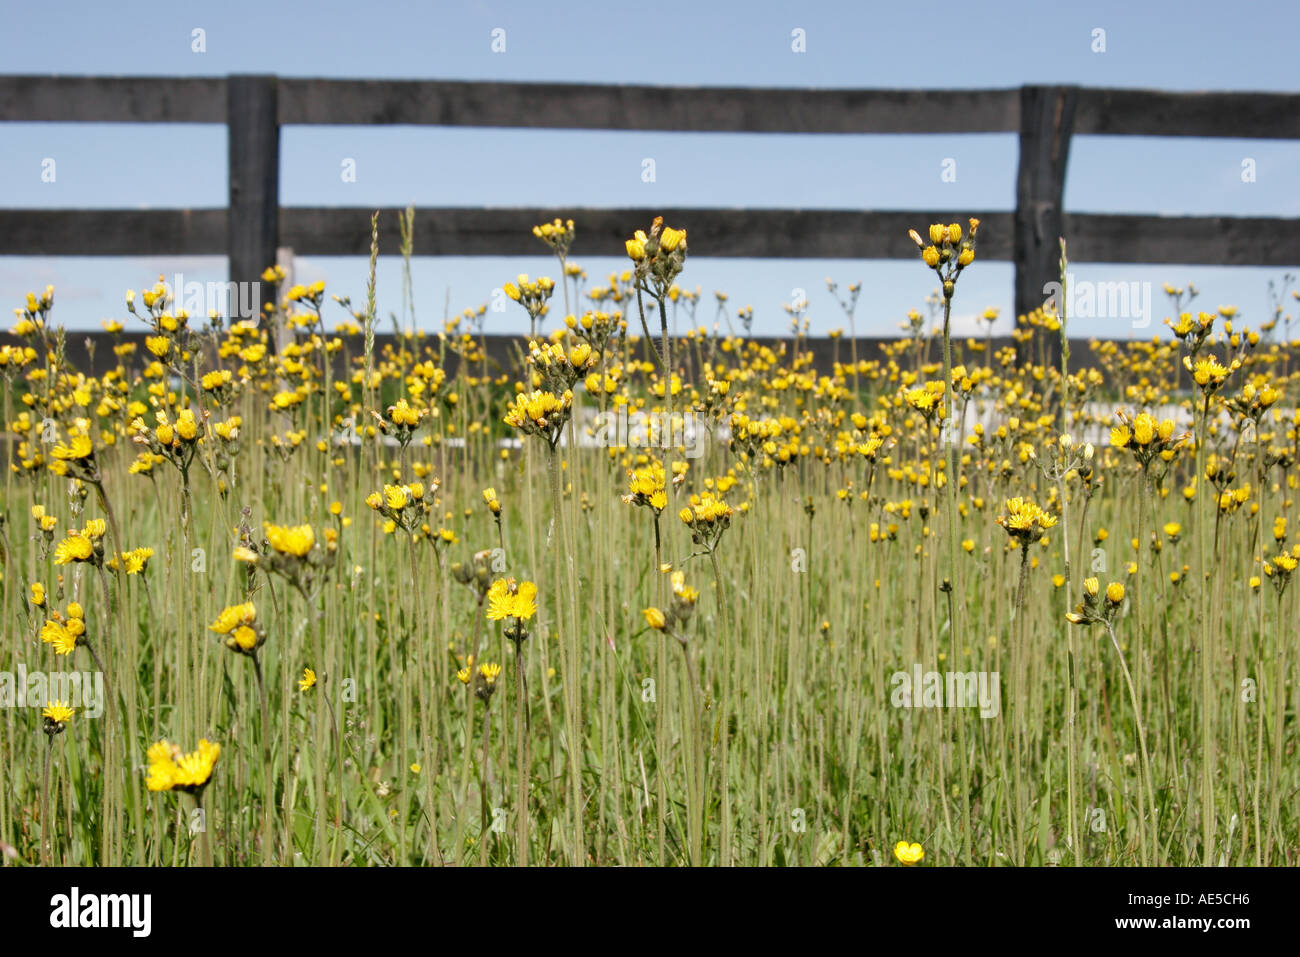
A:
[254,108]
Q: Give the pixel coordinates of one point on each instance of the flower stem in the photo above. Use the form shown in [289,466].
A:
[1142,742]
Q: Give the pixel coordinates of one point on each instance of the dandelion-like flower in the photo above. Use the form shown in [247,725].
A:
[532,295]
[1097,606]
[513,602]
[485,681]
[80,546]
[56,715]
[1025,521]
[296,540]
[658,257]
[540,413]
[508,598]
[646,486]
[134,562]
[172,770]
[927,399]
[238,623]
[707,517]
[949,252]
[1148,439]
[65,633]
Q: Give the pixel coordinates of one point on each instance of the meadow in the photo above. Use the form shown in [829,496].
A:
[407,605]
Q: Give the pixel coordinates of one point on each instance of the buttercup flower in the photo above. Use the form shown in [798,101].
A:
[908,854]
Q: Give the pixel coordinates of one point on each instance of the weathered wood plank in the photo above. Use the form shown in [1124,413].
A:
[697,109]
[1191,240]
[761,233]
[1210,114]
[336,231]
[254,170]
[1099,238]
[113,99]
[113,232]
[1046,122]
[151,99]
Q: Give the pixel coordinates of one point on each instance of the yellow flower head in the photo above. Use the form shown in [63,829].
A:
[928,398]
[1025,521]
[507,598]
[671,238]
[646,486]
[79,447]
[216,379]
[538,410]
[75,548]
[186,426]
[396,497]
[57,633]
[707,510]
[909,854]
[44,520]
[170,769]
[1144,429]
[134,562]
[1207,372]
[56,712]
[682,591]
[403,414]
[234,617]
[296,540]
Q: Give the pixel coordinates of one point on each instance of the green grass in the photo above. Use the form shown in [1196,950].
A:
[787,751]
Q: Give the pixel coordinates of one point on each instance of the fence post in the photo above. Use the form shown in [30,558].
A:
[253,134]
[1046,122]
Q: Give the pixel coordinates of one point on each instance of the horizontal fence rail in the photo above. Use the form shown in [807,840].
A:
[758,233]
[253,225]
[149,99]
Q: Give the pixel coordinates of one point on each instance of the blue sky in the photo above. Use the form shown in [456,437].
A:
[1190,45]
